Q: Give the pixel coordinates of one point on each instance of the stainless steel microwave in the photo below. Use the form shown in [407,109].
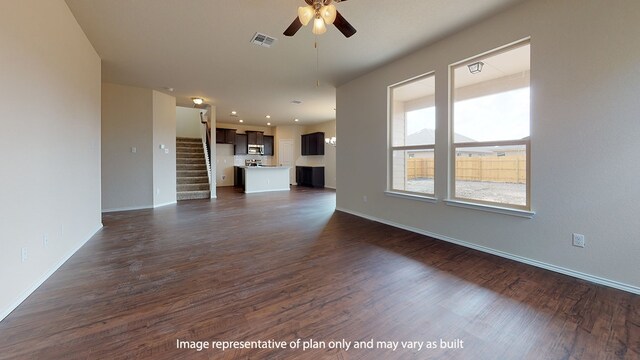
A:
[255,150]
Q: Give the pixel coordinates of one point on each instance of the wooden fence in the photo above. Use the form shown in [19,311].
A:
[506,169]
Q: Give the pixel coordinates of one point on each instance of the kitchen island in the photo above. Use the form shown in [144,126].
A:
[256,179]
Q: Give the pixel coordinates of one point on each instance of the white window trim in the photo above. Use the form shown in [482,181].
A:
[490,208]
[428,197]
[411,196]
[509,209]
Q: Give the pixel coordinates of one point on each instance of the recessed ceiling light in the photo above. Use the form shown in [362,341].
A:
[268,116]
[296,120]
[297,102]
[169,89]
[241,120]
[268,124]
[197,101]
[233,112]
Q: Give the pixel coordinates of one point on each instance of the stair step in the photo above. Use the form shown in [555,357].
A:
[193,195]
[182,161]
[181,145]
[193,150]
[188,140]
[192,187]
[193,180]
[191,155]
[202,167]
[191,173]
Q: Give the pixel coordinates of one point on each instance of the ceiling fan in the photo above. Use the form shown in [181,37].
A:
[323,13]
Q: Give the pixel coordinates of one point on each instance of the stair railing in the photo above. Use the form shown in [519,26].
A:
[206,145]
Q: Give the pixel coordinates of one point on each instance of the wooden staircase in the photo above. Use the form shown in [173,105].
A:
[191,167]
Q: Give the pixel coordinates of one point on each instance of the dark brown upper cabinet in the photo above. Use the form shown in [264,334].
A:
[225,136]
[313,144]
[255,137]
[241,147]
[268,145]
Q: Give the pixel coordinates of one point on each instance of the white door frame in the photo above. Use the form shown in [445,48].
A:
[283,145]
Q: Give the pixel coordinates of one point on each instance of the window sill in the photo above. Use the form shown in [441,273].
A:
[494,209]
[425,198]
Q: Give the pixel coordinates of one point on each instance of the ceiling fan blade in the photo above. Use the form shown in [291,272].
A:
[343,25]
[293,28]
[309,2]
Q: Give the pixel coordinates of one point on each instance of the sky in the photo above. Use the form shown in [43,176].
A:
[502,116]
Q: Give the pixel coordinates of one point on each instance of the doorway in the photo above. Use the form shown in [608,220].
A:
[285,157]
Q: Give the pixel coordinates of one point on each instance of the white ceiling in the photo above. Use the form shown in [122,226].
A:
[201,48]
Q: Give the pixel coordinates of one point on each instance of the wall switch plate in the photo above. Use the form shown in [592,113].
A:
[133,150]
[578,240]
[161,146]
[364,198]
[24,254]
[157,191]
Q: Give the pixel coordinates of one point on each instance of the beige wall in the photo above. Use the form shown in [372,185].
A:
[143,119]
[188,122]
[127,122]
[164,160]
[585,82]
[50,141]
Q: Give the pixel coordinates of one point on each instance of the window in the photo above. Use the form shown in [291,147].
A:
[490,129]
[412,124]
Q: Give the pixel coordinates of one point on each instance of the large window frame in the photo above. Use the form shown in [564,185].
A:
[391,148]
[453,199]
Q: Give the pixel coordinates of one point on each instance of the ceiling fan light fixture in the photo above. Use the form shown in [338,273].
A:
[329,13]
[319,27]
[305,14]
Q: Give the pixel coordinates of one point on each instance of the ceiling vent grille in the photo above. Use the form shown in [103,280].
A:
[262,40]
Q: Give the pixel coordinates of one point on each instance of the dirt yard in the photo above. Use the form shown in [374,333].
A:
[506,193]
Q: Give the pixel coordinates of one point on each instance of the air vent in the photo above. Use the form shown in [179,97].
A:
[262,40]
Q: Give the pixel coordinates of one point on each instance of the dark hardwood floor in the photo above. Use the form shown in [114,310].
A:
[285,266]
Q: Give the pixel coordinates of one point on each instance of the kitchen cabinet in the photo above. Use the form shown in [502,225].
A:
[241,147]
[312,176]
[255,137]
[268,145]
[313,144]
[225,136]
[238,178]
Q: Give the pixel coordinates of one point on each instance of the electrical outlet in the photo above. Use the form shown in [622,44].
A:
[45,240]
[157,191]
[24,254]
[578,240]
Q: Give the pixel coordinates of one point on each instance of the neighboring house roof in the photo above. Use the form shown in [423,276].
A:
[428,136]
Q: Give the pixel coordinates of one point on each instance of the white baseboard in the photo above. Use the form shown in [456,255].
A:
[128,208]
[330,187]
[165,204]
[577,274]
[40,281]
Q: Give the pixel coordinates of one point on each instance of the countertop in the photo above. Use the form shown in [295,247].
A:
[265,167]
